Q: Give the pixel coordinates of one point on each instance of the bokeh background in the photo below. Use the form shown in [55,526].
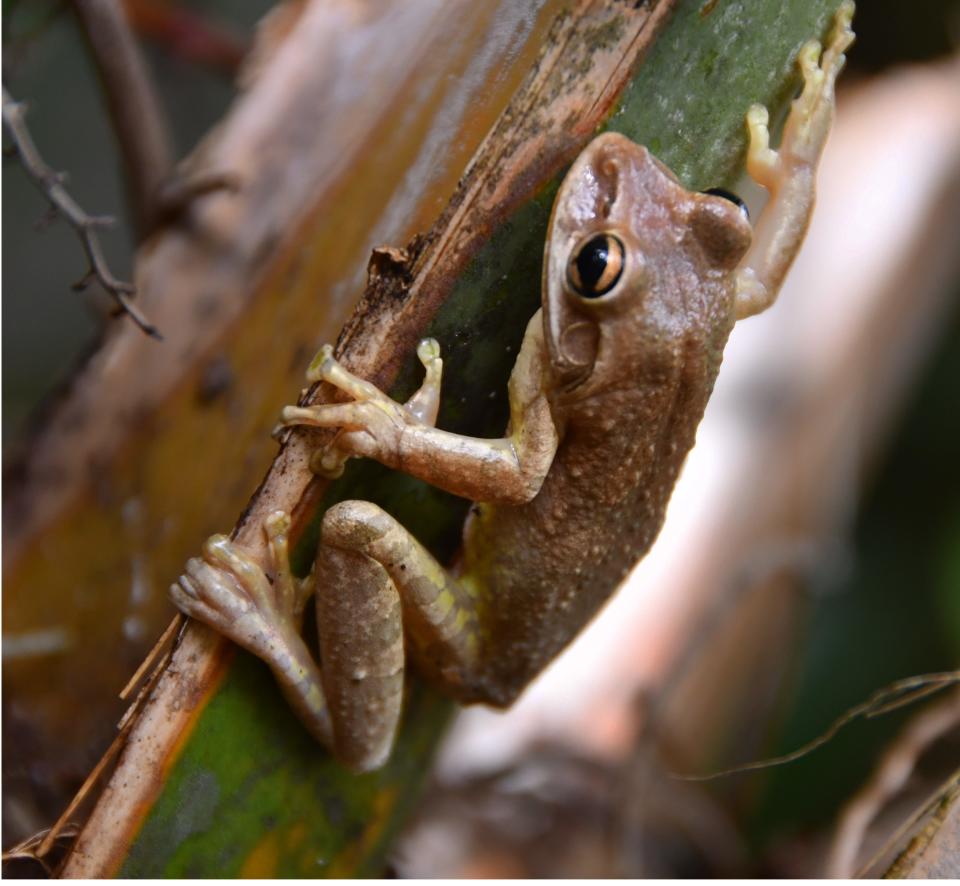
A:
[573,783]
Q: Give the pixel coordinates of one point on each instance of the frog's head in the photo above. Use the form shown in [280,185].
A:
[634,263]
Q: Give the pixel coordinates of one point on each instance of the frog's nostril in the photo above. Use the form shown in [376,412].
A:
[608,174]
[608,165]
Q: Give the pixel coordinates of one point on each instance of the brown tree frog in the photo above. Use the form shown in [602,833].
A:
[642,283]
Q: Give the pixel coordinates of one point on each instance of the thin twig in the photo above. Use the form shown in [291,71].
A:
[160,648]
[157,659]
[890,698]
[64,827]
[31,848]
[51,183]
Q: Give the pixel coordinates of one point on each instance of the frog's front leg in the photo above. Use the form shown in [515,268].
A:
[789,173]
[508,470]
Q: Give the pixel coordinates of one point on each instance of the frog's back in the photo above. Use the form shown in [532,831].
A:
[548,566]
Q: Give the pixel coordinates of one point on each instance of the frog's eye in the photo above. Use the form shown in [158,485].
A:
[733,198]
[596,266]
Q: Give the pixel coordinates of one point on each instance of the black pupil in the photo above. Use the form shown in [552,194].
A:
[592,262]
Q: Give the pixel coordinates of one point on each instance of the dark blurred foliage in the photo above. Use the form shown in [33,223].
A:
[893,607]
[892,612]
[891,32]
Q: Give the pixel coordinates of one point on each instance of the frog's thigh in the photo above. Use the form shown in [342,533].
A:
[373,581]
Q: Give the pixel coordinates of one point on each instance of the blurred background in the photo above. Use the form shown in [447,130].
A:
[823,499]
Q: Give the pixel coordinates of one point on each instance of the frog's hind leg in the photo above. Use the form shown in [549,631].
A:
[375,583]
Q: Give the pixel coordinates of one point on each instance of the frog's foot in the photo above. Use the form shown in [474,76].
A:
[227,589]
[789,173]
[373,423]
[811,114]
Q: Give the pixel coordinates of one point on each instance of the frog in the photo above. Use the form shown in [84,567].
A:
[643,281]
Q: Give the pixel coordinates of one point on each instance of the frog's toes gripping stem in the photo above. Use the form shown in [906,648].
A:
[811,115]
[227,590]
[326,368]
[788,173]
[370,407]
[329,461]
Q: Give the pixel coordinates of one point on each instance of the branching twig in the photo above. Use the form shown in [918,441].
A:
[50,182]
